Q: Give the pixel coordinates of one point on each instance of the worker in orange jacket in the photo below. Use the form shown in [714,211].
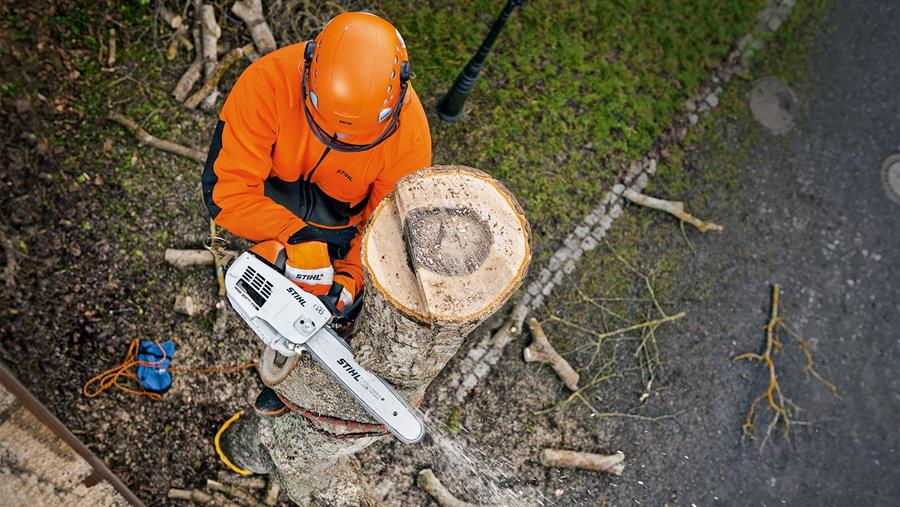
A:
[310,139]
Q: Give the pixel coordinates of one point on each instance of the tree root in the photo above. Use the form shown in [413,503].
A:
[773,395]
[558,458]
[210,85]
[430,483]
[542,351]
[675,208]
[161,144]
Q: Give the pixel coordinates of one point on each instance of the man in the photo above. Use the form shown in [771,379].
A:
[310,139]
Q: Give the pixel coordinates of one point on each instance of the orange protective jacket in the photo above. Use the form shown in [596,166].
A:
[268,177]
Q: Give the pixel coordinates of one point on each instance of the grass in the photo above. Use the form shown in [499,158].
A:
[571,90]
[704,174]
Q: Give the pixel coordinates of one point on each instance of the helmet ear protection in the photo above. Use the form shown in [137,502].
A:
[331,140]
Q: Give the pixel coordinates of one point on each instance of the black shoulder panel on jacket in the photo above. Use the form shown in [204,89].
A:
[209,179]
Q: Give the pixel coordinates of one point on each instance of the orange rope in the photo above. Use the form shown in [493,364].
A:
[127,373]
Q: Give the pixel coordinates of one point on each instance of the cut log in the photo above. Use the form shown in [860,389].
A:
[441,254]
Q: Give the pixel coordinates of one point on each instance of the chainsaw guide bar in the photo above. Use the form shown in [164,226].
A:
[291,320]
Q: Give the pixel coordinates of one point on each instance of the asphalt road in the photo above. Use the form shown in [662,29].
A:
[811,215]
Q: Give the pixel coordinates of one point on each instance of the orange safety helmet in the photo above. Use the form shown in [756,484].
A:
[355,76]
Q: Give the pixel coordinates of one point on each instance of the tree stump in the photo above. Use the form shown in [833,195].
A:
[441,254]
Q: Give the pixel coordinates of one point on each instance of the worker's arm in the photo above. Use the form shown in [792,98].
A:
[240,159]
[408,153]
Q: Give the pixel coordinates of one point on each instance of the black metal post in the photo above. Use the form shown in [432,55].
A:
[450,107]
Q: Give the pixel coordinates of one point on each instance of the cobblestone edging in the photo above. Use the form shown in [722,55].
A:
[593,227]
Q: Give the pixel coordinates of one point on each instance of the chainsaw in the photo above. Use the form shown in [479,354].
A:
[291,320]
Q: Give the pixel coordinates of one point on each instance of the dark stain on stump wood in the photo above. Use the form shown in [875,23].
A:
[447,241]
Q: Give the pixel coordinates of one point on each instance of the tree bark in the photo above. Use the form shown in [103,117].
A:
[441,254]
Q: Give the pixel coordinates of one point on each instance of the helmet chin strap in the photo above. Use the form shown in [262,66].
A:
[334,141]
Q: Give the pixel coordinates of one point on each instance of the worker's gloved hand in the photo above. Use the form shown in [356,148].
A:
[309,266]
[347,291]
[341,296]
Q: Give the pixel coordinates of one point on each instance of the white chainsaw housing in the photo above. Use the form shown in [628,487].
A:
[283,315]
[291,320]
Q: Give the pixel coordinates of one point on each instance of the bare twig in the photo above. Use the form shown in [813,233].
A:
[626,329]
[559,458]
[179,38]
[210,85]
[542,351]
[430,483]
[161,144]
[251,13]
[675,208]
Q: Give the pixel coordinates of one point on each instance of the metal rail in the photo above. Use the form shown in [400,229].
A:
[33,405]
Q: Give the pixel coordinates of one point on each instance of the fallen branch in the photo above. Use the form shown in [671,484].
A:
[559,458]
[234,492]
[251,13]
[430,483]
[210,33]
[179,38]
[542,351]
[186,258]
[154,142]
[511,329]
[191,75]
[675,208]
[210,85]
[773,395]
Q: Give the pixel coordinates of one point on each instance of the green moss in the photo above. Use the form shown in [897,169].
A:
[453,424]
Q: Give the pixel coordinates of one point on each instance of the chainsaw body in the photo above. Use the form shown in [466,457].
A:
[290,320]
